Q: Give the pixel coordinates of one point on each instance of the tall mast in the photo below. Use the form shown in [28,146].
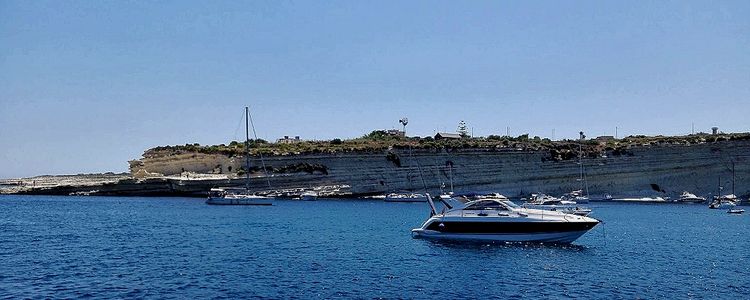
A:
[450,172]
[584,184]
[733,177]
[247,148]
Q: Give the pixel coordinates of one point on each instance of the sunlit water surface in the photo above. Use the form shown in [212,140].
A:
[112,247]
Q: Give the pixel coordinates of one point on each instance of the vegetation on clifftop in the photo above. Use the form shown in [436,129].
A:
[378,141]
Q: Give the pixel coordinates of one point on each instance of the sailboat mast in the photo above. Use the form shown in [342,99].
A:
[584,183]
[247,148]
[580,164]
[733,178]
[450,172]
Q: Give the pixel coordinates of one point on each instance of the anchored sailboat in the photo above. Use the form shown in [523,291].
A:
[580,196]
[239,196]
[725,201]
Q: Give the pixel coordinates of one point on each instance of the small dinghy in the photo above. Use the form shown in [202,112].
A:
[735,211]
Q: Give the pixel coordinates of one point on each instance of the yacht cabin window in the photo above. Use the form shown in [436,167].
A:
[486,205]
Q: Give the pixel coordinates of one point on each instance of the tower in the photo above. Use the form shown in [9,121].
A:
[404,121]
[463,130]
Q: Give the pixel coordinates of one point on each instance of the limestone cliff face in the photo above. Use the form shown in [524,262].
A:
[643,170]
[187,162]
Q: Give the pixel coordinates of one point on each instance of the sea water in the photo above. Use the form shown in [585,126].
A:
[179,248]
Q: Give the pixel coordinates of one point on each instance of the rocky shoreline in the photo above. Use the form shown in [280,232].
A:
[124,184]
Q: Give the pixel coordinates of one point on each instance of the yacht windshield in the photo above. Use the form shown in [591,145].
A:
[486,205]
[510,204]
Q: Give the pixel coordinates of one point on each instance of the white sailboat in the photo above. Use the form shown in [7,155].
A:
[722,200]
[239,196]
[578,196]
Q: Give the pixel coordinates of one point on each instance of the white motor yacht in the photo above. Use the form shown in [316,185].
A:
[576,196]
[687,197]
[309,196]
[542,199]
[405,197]
[235,196]
[546,202]
[656,199]
[736,211]
[724,201]
[498,219]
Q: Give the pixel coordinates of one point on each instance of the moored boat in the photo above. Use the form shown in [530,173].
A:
[736,211]
[236,196]
[724,201]
[576,196]
[641,199]
[309,196]
[542,199]
[687,197]
[546,202]
[405,197]
[239,196]
[497,219]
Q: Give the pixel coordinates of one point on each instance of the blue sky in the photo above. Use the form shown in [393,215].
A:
[87,85]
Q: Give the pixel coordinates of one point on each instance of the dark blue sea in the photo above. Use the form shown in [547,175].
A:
[181,248]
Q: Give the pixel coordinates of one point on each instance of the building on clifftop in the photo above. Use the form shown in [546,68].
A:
[287,140]
[447,136]
[396,132]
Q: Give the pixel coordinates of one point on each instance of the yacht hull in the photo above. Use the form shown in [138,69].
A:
[557,232]
[538,237]
[240,201]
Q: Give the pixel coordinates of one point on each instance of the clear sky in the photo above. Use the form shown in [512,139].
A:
[87,85]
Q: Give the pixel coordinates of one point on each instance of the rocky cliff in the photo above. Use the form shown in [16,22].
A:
[640,170]
[664,169]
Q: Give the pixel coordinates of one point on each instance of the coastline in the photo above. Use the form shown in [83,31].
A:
[656,170]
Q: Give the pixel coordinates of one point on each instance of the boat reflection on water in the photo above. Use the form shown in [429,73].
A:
[500,220]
